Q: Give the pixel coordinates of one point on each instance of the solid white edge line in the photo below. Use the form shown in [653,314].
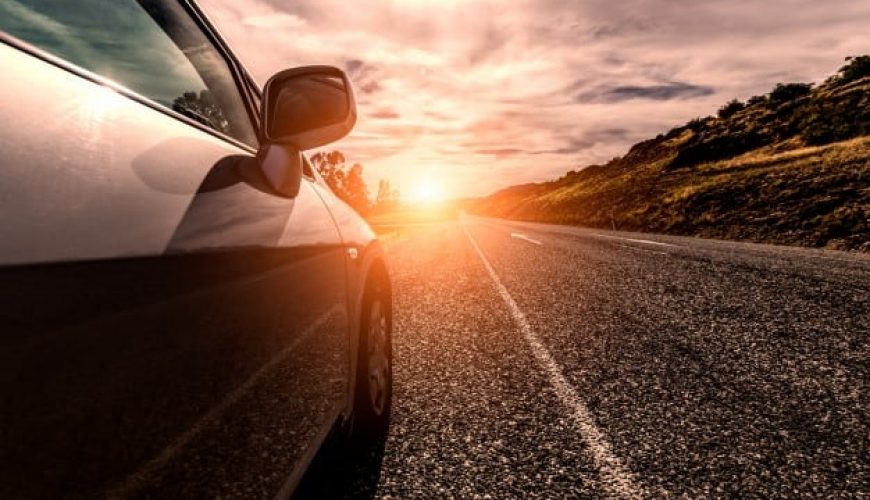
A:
[616,477]
[633,240]
[521,236]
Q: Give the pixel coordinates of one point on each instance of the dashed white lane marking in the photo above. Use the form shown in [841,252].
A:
[616,477]
[135,480]
[521,236]
[647,242]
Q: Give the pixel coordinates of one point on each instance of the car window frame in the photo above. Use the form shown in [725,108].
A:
[241,78]
[245,85]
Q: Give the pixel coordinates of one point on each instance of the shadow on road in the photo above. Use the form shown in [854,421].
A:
[342,471]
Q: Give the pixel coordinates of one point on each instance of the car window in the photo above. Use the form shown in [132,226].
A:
[152,47]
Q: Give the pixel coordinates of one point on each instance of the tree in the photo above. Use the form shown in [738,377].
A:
[383,192]
[383,200]
[856,69]
[695,124]
[331,168]
[347,183]
[731,108]
[202,108]
[356,191]
[756,99]
[786,92]
[387,199]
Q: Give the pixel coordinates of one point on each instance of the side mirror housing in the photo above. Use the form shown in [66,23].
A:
[303,108]
[307,107]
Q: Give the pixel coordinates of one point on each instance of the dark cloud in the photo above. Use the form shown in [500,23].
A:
[614,133]
[492,41]
[500,152]
[614,60]
[662,92]
[623,28]
[590,139]
[363,75]
[369,87]
[353,65]
[576,85]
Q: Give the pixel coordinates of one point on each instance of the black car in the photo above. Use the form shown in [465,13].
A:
[187,310]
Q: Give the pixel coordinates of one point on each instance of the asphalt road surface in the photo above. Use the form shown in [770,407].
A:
[549,361]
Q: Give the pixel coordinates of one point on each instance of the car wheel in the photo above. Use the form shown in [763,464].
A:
[374,386]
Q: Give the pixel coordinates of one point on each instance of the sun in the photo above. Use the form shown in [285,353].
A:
[427,191]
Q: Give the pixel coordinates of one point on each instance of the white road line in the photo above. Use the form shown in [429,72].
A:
[521,236]
[135,480]
[616,477]
[648,242]
[641,249]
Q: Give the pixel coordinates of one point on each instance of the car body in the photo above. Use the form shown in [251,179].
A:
[173,325]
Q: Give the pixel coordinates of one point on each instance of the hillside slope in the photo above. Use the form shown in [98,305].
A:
[790,167]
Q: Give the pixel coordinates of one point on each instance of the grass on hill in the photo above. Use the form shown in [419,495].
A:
[791,167]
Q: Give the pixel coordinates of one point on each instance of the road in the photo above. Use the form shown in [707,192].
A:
[550,361]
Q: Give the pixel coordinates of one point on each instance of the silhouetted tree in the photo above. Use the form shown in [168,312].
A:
[697,124]
[202,108]
[387,199]
[347,183]
[382,199]
[785,92]
[731,108]
[756,99]
[356,190]
[857,68]
[331,167]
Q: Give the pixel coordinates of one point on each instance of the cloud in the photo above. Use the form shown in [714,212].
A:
[275,21]
[662,92]
[385,114]
[487,93]
[500,152]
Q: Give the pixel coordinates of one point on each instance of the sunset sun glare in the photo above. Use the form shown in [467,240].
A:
[426,191]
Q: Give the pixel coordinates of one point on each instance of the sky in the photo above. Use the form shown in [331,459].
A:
[467,97]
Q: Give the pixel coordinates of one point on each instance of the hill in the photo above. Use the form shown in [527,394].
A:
[789,167]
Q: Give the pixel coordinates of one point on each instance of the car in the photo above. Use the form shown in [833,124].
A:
[187,309]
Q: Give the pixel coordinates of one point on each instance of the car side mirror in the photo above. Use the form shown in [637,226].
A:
[303,108]
[308,107]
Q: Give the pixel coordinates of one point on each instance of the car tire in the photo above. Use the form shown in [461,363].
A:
[374,379]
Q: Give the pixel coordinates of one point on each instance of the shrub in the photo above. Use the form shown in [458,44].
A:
[731,108]
[858,68]
[824,122]
[756,99]
[786,92]
[697,124]
[719,147]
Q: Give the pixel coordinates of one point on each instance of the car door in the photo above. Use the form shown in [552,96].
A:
[171,327]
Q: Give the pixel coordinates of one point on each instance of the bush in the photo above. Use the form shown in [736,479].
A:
[731,108]
[697,124]
[719,147]
[787,92]
[823,122]
[756,99]
[858,68]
